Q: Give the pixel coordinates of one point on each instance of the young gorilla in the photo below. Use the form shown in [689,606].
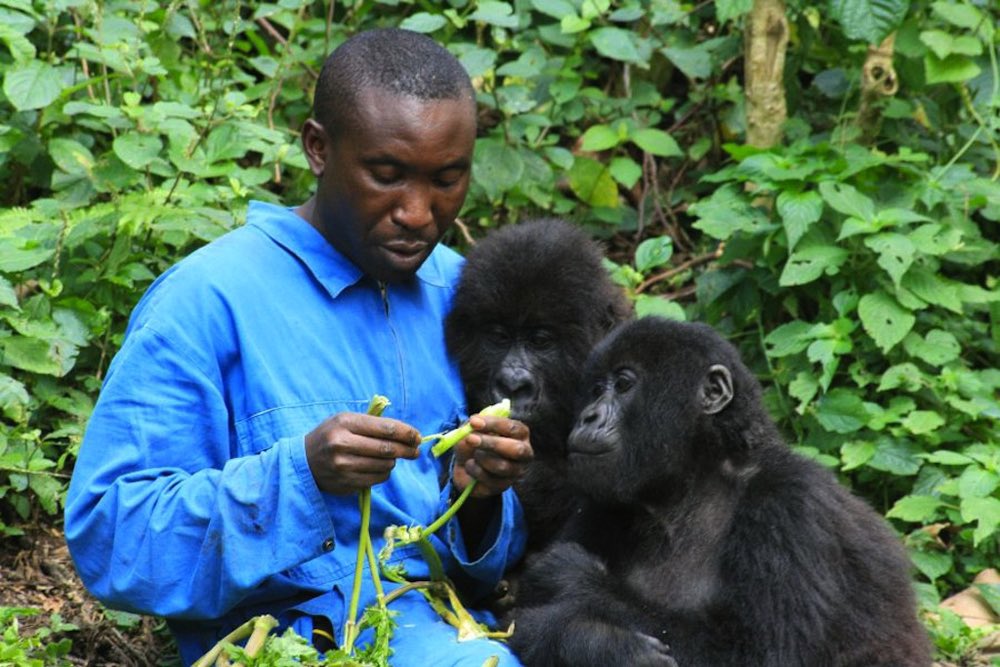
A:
[532,302]
[706,542]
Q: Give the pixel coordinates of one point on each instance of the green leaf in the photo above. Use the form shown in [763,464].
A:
[974,482]
[32,85]
[592,183]
[856,454]
[71,156]
[694,61]
[905,375]
[424,22]
[8,296]
[935,289]
[599,138]
[932,564]
[14,400]
[789,338]
[20,46]
[137,150]
[847,200]
[726,10]
[960,14]
[646,304]
[938,349]
[953,69]
[557,9]
[921,422]
[656,142]
[615,43]
[653,252]
[495,13]
[15,256]
[807,264]
[498,167]
[947,458]
[799,211]
[884,319]
[626,171]
[944,44]
[726,212]
[841,411]
[804,388]
[918,509]
[572,24]
[991,594]
[895,457]
[984,511]
[896,253]
[44,357]
[869,20]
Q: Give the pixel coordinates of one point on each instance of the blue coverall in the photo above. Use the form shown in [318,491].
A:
[192,498]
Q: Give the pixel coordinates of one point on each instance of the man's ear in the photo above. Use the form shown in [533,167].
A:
[716,390]
[315,143]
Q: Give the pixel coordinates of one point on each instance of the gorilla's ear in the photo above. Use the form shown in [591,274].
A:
[716,390]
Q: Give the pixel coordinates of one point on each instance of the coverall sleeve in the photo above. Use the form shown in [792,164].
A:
[162,516]
[501,548]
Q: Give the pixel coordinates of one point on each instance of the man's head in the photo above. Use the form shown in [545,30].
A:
[391,145]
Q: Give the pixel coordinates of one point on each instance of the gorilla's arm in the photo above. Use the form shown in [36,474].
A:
[571,612]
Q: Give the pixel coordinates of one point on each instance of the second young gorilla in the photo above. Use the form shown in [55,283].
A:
[533,300]
[706,541]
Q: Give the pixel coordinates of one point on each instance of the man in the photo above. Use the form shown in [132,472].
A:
[219,473]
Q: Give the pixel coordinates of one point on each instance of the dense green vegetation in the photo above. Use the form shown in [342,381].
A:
[854,260]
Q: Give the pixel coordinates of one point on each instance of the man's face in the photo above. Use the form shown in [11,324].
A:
[391,183]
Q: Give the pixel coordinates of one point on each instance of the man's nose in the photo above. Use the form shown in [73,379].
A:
[415,208]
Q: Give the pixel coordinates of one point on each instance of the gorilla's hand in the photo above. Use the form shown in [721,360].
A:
[496,453]
[351,451]
[651,652]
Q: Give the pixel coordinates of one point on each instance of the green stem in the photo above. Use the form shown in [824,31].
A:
[236,635]
[375,407]
[450,512]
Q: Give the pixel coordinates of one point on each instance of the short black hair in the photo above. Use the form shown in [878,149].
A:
[390,59]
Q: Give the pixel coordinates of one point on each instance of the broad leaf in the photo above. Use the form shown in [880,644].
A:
[884,319]
[807,264]
[137,150]
[985,512]
[918,509]
[32,85]
[869,20]
[653,252]
[895,251]
[798,210]
[617,44]
[656,142]
[592,183]
[841,411]
[599,138]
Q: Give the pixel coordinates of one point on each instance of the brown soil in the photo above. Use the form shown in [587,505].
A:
[36,572]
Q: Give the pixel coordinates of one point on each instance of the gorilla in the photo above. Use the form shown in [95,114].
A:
[705,541]
[532,301]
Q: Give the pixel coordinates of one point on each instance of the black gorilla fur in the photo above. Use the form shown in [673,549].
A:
[705,540]
[532,301]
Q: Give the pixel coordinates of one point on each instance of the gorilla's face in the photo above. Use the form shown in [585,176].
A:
[650,394]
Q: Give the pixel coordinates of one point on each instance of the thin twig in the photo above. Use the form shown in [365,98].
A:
[680,268]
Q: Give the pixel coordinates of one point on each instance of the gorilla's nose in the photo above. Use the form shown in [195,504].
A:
[517,384]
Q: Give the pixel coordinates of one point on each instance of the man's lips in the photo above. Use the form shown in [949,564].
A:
[406,248]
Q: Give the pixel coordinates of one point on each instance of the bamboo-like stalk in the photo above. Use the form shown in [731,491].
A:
[878,82]
[765,41]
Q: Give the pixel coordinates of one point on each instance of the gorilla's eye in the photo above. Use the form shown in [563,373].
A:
[497,335]
[624,380]
[541,339]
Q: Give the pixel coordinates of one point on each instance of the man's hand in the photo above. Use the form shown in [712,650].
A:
[497,453]
[351,451]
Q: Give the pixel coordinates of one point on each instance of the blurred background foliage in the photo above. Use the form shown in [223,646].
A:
[835,213]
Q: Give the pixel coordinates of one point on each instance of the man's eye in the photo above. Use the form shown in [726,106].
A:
[386,175]
[449,178]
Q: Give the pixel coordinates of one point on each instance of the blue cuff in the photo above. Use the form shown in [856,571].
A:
[501,546]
